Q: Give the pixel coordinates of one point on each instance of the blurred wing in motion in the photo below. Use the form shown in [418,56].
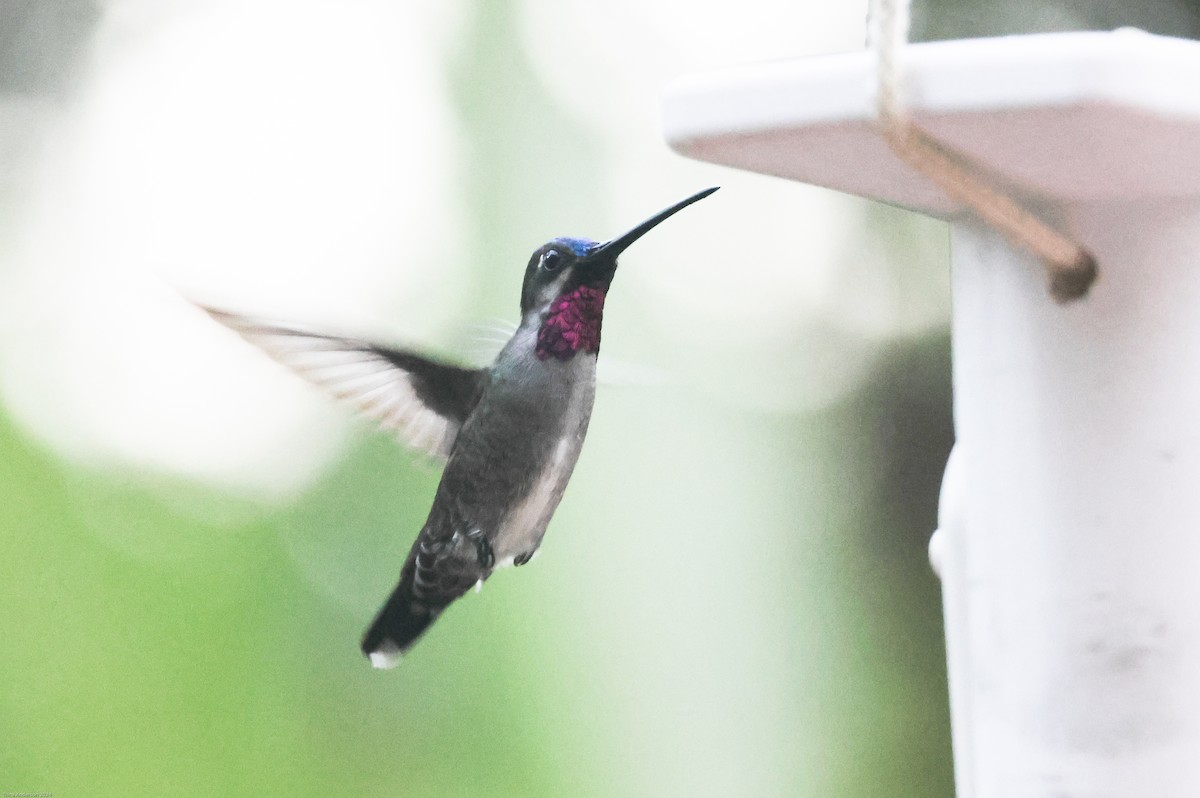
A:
[423,401]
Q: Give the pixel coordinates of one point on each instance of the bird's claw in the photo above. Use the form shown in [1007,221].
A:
[483,548]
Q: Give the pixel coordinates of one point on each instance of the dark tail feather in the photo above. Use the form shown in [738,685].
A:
[397,627]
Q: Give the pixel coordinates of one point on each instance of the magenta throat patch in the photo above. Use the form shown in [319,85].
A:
[573,325]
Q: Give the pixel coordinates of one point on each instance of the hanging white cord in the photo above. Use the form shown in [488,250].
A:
[1072,268]
[887,34]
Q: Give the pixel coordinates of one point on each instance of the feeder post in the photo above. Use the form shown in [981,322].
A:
[1069,539]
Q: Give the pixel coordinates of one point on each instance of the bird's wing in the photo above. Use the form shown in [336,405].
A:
[423,401]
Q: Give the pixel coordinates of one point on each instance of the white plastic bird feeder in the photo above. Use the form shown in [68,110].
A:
[1069,546]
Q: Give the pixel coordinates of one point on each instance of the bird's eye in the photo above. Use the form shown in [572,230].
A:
[551,260]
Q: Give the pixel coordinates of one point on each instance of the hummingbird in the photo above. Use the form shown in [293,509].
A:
[510,434]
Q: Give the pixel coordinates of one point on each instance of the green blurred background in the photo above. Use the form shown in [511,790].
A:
[733,599]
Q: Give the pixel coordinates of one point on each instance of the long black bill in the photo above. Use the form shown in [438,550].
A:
[611,249]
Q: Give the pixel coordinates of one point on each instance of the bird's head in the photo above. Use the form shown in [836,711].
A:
[566,282]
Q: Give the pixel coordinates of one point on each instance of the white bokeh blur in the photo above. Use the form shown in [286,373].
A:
[215,152]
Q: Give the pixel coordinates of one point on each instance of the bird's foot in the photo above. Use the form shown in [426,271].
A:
[483,548]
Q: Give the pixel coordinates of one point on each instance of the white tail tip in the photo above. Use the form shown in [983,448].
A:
[385,657]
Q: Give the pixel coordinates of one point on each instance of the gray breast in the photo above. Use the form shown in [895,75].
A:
[522,527]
